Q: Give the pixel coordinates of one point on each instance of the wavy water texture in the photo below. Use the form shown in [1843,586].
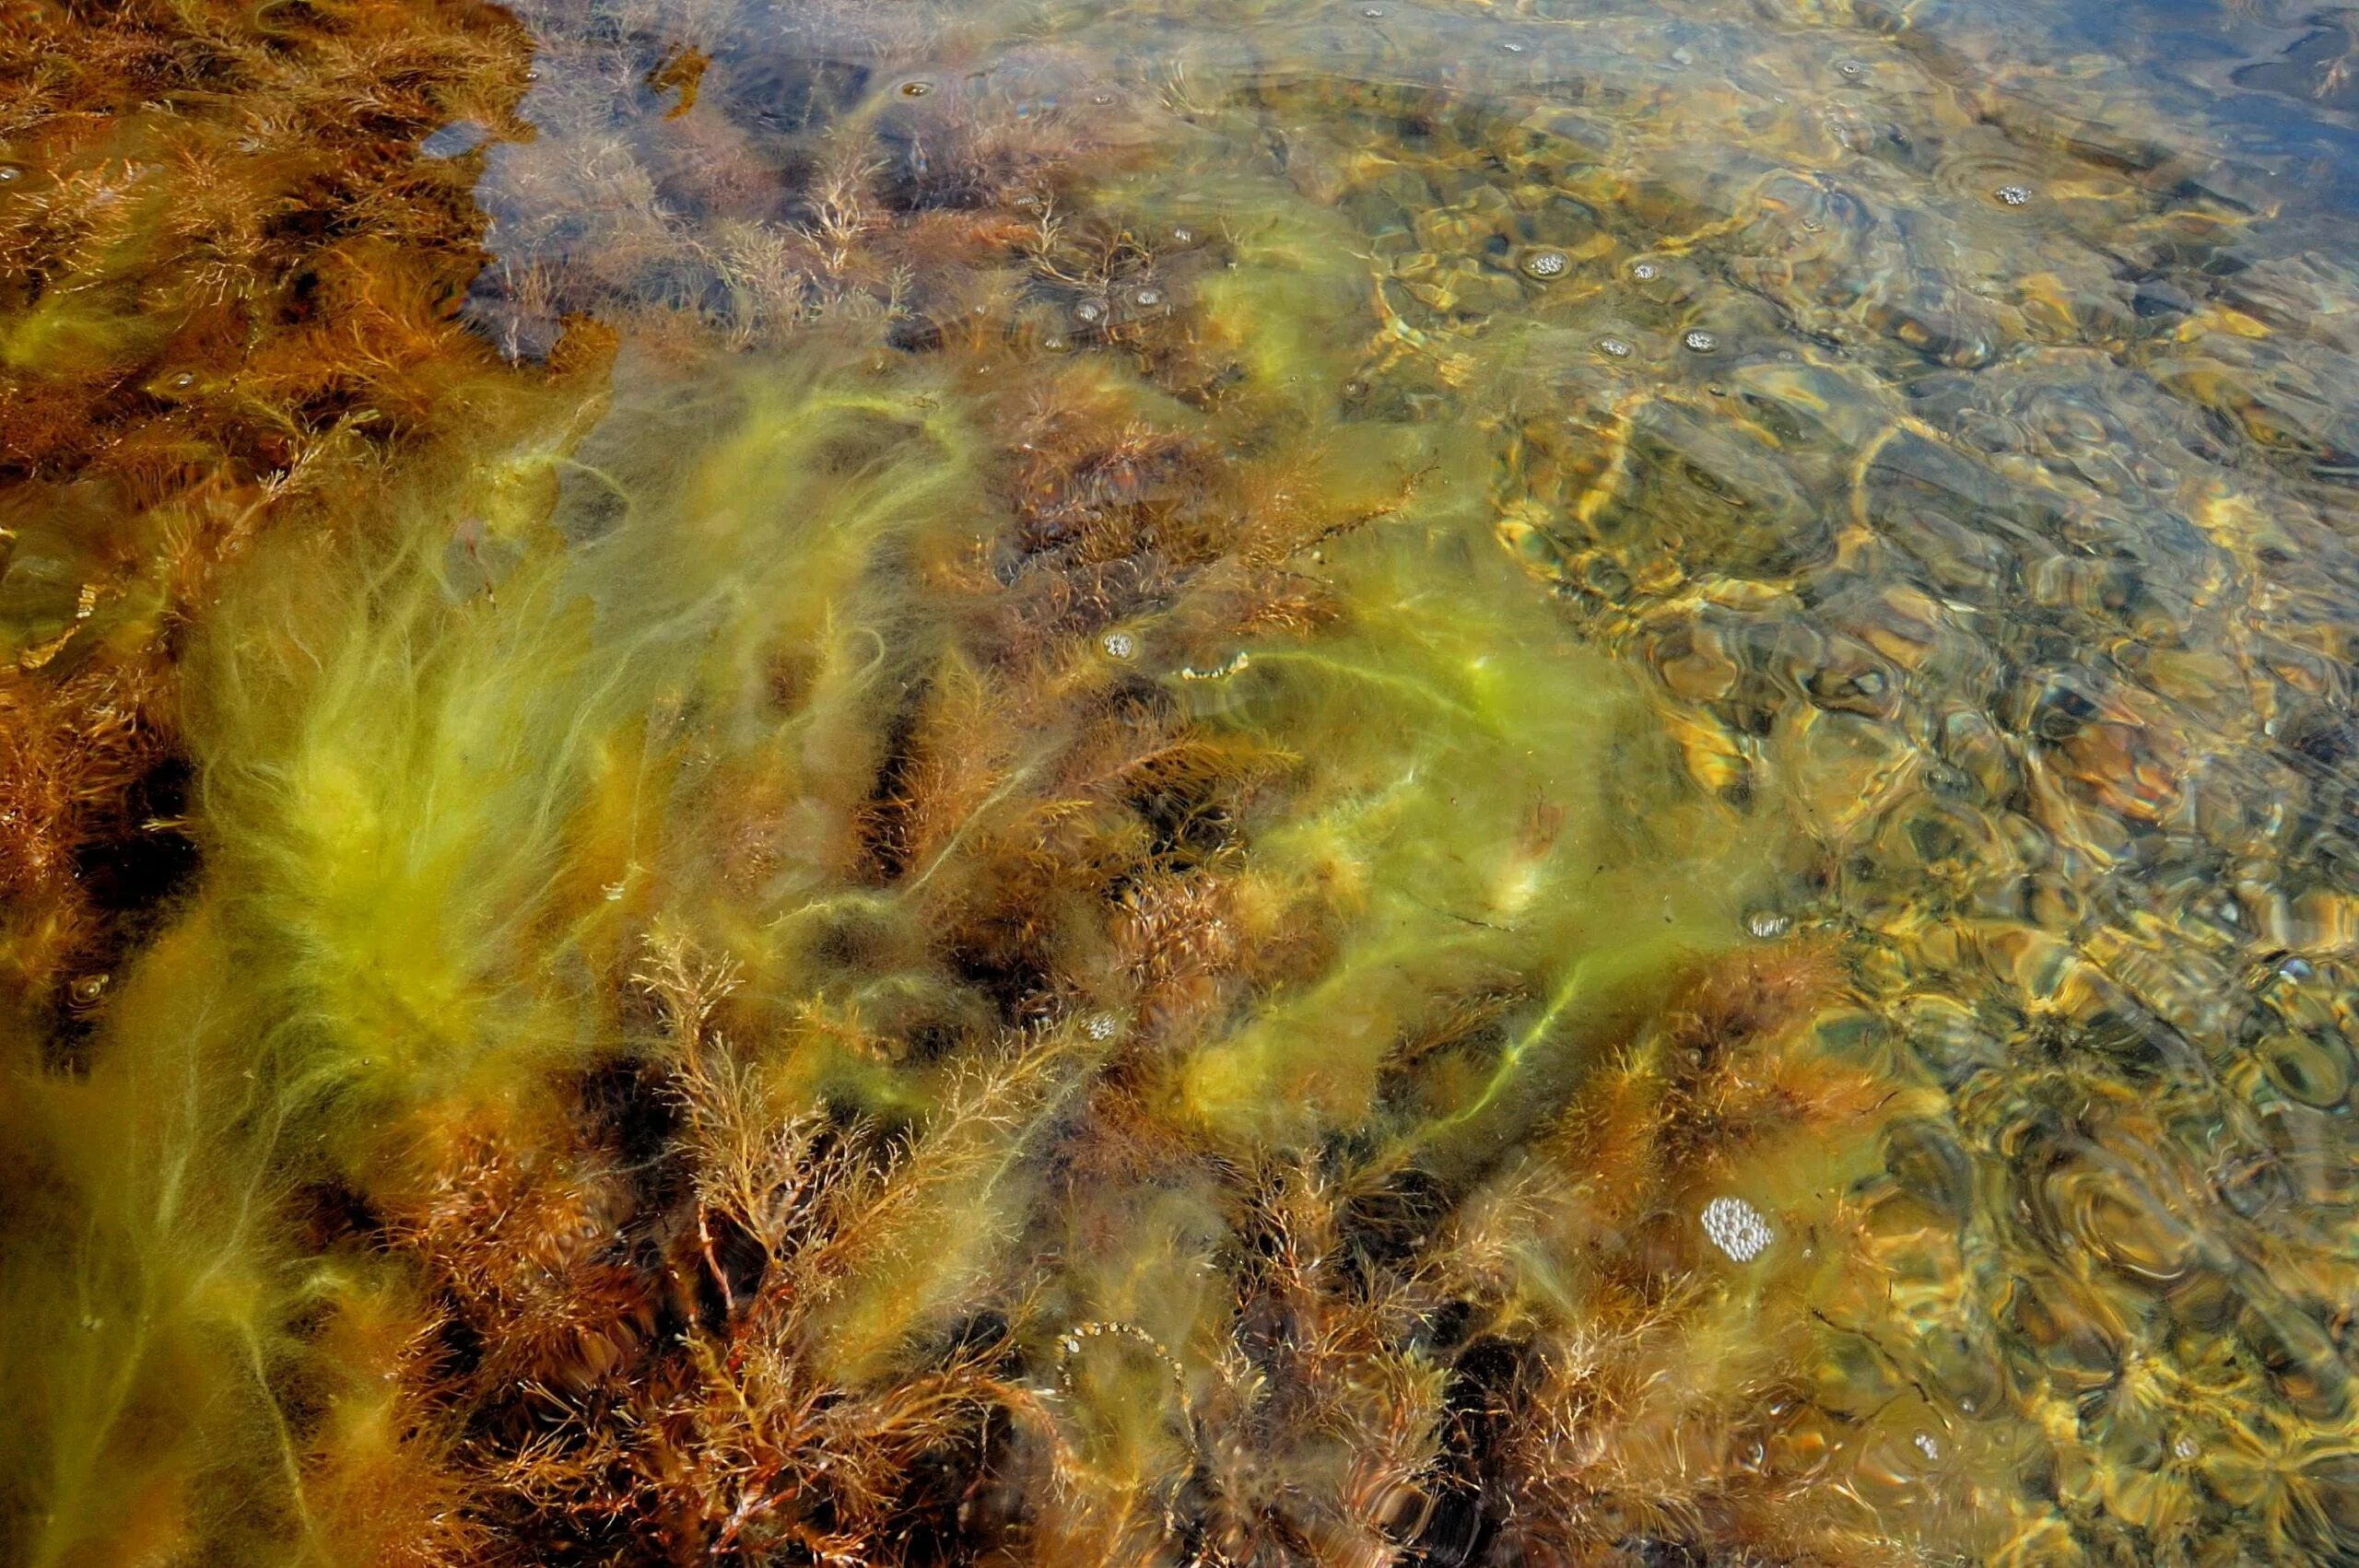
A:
[1246,784]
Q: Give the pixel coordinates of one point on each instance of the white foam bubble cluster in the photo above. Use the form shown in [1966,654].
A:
[1737,1228]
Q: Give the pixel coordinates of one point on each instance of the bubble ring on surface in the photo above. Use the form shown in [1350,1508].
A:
[2105,1203]
[1978,165]
[1547,263]
[1737,1228]
[1700,342]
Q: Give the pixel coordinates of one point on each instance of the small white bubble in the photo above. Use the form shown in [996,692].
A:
[1645,272]
[1927,1446]
[1120,645]
[2185,1448]
[1512,48]
[2014,195]
[1614,347]
[1102,1027]
[1700,342]
[1769,924]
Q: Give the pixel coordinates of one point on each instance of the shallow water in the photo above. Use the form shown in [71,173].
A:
[1225,784]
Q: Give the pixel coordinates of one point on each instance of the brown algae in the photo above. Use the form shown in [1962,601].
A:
[833,784]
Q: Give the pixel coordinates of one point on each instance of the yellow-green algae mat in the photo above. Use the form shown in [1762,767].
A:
[1253,784]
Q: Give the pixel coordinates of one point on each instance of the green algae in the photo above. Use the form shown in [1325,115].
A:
[1471,845]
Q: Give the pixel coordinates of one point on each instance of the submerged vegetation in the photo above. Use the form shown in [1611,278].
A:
[781,785]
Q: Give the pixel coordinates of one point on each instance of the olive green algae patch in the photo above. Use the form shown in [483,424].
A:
[434,822]
[438,802]
[1473,806]
[680,775]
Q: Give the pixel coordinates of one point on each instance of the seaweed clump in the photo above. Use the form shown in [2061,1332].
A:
[232,282]
[994,933]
